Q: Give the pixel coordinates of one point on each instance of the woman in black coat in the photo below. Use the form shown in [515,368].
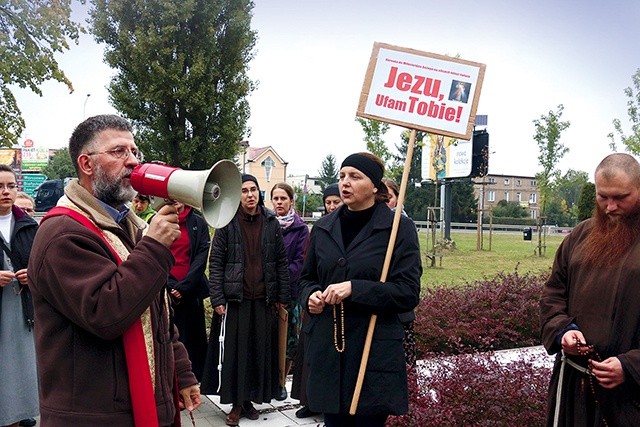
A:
[341,289]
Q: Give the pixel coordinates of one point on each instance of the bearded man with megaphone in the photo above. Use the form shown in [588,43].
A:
[107,355]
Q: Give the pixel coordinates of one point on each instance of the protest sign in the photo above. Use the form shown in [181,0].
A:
[419,90]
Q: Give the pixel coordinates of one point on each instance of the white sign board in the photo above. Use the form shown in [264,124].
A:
[420,90]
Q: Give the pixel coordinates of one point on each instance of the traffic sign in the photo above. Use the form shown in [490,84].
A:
[30,181]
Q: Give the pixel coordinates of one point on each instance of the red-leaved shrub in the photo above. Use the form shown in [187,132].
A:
[476,390]
[492,314]
[459,381]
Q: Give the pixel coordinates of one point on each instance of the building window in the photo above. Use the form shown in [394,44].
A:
[492,180]
[491,196]
[518,182]
[533,183]
[533,214]
[533,198]
[506,181]
[506,196]
[268,164]
[519,197]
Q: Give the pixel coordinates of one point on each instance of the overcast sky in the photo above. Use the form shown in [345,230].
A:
[311,59]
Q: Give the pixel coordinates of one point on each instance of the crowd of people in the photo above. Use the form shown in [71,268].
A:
[102,304]
[107,323]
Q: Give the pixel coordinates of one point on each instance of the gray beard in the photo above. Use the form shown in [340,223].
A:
[111,191]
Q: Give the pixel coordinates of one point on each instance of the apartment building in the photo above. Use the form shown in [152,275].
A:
[490,189]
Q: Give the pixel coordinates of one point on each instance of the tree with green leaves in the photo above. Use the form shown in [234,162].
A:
[548,130]
[374,131]
[59,165]
[415,169]
[504,209]
[631,141]
[558,213]
[567,192]
[587,201]
[569,186]
[464,204]
[31,33]
[417,197]
[310,203]
[181,74]
[328,173]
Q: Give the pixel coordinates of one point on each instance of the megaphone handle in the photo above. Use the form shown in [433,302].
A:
[158,202]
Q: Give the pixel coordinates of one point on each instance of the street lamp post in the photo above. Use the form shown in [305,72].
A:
[84,108]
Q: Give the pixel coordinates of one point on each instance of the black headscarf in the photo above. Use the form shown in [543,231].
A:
[367,166]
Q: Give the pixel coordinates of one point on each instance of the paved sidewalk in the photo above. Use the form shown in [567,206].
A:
[282,414]
[276,414]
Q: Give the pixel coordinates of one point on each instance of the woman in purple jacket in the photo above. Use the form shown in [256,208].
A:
[295,234]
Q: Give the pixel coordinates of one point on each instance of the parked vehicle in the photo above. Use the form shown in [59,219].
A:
[48,193]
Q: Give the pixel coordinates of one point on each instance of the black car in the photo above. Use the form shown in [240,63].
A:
[48,193]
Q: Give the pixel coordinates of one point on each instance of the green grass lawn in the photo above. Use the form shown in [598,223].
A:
[509,252]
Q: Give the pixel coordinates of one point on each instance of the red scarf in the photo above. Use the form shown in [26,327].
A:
[143,400]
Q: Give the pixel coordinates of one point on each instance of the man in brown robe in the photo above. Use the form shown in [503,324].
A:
[590,308]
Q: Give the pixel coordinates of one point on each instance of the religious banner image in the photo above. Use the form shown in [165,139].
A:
[420,90]
[444,157]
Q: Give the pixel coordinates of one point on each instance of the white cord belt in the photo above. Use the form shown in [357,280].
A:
[223,331]
[565,361]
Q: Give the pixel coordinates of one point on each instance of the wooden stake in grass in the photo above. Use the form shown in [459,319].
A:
[385,271]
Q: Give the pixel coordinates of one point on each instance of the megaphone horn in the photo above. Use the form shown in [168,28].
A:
[215,192]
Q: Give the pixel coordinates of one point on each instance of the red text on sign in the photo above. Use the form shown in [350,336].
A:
[430,109]
[416,83]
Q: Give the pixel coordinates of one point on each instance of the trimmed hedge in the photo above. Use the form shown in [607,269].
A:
[457,330]
[492,314]
[476,390]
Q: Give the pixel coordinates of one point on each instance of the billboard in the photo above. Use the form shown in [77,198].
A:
[34,158]
[444,157]
[11,157]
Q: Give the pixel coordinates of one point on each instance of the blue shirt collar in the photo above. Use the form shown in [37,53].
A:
[117,214]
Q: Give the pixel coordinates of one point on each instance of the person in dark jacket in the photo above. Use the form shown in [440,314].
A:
[107,354]
[295,234]
[331,201]
[27,204]
[341,289]
[187,284]
[18,376]
[331,198]
[248,283]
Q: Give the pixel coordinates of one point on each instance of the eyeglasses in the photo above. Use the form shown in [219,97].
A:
[122,153]
[10,187]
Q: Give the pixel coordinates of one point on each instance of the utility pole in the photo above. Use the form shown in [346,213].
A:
[304,195]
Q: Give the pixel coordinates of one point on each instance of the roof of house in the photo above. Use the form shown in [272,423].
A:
[255,152]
